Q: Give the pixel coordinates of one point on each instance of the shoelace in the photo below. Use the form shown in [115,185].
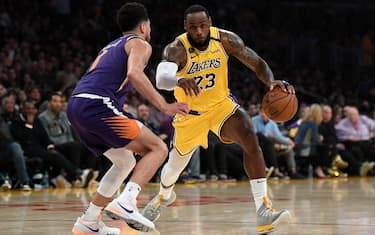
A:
[158,201]
[268,204]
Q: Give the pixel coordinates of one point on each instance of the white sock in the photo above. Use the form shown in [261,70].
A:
[92,212]
[130,192]
[166,192]
[259,189]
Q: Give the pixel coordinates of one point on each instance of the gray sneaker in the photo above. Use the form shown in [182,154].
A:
[152,209]
[268,218]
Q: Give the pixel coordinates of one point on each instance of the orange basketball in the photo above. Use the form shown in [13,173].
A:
[279,106]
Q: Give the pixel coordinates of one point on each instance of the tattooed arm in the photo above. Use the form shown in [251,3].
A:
[175,52]
[234,45]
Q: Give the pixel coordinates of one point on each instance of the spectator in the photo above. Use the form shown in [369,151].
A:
[9,111]
[280,144]
[252,109]
[327,130]
[308,143]
[3,90]
[233,156]
[66,78]
[54,133]
[216,164]
[20,98]
[143,114]
[33,94]
[22,130]
[357,132]
[11,152]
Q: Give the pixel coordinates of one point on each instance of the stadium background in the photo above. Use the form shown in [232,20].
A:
[324,48]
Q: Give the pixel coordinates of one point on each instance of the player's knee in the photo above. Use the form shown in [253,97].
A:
[124,162]
[249,144]
[162,149]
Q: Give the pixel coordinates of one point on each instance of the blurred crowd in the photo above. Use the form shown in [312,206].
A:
[325,49]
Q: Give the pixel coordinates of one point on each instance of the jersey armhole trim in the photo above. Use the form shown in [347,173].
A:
[220,43]
[183,70]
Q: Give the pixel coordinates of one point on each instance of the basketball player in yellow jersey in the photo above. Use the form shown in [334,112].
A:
[195,66]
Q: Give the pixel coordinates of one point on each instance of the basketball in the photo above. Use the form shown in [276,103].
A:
[279,106]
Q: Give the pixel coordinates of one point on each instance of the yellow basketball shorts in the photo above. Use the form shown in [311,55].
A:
[192,130]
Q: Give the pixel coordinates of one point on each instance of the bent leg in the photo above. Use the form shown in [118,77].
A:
[19,162]
[239,129]
[58,161]
[155,152]
[123,162]
[169,175]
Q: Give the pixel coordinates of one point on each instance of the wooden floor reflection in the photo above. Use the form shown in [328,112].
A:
[333,206]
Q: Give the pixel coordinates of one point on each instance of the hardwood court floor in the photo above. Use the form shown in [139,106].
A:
[333,206]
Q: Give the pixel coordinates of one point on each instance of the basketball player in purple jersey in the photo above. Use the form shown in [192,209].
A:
[95,112]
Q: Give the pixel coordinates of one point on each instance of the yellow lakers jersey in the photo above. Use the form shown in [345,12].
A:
[209,68]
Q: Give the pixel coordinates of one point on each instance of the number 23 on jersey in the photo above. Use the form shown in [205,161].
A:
[205,82]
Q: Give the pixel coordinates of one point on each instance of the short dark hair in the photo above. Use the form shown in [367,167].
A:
[195,8]
[52,94]
[130,15]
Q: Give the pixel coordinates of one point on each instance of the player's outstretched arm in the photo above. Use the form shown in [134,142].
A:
[139,52]
[235,46]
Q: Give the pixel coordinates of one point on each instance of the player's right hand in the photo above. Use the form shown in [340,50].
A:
[174,108]
[189,85]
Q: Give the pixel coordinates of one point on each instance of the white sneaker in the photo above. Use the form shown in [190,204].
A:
[84,227]
[128,211]
[25,187]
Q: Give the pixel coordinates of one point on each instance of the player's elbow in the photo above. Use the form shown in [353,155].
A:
[133,75]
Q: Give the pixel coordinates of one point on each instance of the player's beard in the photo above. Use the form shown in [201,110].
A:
[199,45]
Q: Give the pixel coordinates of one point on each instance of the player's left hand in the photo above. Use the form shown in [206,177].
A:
[284,85]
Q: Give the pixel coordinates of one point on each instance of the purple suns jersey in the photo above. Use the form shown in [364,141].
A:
[107,74]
